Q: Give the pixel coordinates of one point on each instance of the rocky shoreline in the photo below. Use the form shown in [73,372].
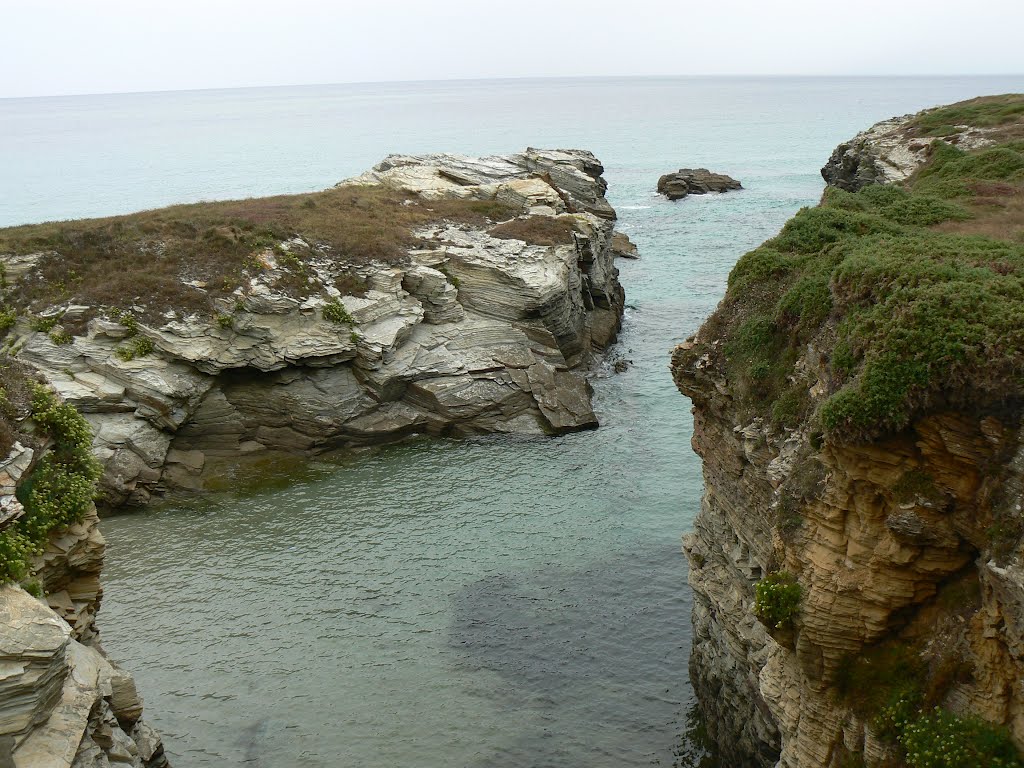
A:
[481,328]
[483,325]
[897,550]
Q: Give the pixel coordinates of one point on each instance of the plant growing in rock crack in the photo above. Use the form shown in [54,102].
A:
[137,346]
[44,324]
[335,312]
[61,337]
[777,599]
[938,738]
[224,321]
[60,489]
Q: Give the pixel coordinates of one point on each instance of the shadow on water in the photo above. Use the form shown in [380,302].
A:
[602,644]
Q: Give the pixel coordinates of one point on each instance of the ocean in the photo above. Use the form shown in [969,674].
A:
[493,602]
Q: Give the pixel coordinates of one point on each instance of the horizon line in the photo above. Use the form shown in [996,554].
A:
[86,94]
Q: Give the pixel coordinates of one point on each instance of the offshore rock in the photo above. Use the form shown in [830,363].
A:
[470,334]
[695,181]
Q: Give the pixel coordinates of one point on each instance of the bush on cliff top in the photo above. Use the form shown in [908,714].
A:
[906,312]
[60,489]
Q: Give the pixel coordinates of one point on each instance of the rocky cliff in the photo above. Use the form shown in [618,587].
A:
[857,559]
[62,702]
[442,295]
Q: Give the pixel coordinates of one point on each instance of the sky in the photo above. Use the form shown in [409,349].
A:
[58,47]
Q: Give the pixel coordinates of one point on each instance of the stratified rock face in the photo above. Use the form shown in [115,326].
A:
[471,334]
[62,702]
[873,564]
[695,181]
[912,539]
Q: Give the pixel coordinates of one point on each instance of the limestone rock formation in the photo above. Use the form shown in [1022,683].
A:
[475,331]
[695,181]
[62,702]
[910,543]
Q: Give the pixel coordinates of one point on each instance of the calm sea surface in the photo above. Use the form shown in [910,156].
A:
[493,602]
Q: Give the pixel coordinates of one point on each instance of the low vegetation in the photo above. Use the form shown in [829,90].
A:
[62,485]
[183,257]
[984,111]
[938,738]
[893,686]
[911,296]
[536,230]
[777,599]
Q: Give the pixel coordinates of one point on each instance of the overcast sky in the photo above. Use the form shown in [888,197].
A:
[50,47]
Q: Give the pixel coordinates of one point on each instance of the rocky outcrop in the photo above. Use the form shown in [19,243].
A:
[471,333]
[62,702]
[906,544]
[695,181]
[891,150]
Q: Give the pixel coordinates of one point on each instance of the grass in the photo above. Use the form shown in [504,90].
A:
[147,258]
[913,296]
[984,111]
[536,230]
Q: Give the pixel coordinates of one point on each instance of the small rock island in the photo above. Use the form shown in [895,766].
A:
[695,181]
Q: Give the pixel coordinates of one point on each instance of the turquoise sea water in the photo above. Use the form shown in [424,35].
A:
[492,602]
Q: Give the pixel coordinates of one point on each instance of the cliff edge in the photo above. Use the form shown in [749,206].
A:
[858,559]
[441,295]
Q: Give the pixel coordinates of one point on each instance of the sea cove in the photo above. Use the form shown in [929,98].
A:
[493,601]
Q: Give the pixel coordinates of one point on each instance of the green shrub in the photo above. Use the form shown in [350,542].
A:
[985,111]
[906,317]
[60,489]
[777,599]
[44,324]
[334,311]
[137,346]
[225,321]
[60,337]
[941,739]
[128,320]
[8,317]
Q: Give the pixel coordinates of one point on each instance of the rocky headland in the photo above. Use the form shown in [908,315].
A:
[440,295]
[858,559]
[695,181]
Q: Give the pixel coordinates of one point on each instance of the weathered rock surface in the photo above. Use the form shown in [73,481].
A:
[878,560]
[695,181]
[890,151]
[472,334]
[62,702]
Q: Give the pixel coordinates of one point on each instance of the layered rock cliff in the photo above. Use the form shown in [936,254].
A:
[857,559]
[442,295]
[62,702]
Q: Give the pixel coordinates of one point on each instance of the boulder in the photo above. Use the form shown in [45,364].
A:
[695,181]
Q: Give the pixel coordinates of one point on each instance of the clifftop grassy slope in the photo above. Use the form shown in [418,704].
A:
[911,296]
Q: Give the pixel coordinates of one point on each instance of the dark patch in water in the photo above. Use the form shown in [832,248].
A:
[598,647]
